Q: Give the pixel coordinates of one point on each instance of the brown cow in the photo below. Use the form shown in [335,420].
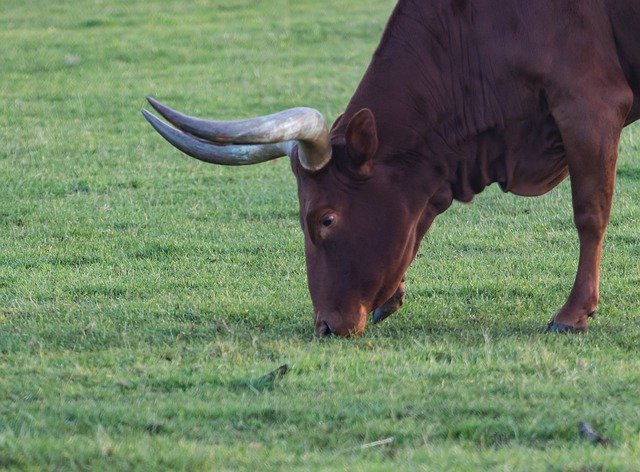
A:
[458,95]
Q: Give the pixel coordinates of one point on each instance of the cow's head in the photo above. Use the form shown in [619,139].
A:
[361,230]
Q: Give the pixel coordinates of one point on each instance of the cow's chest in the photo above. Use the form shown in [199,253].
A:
[534,160]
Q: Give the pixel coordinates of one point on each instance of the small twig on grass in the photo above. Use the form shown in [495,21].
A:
[381,442]
[274,374]
[222,324]
[268,380]
[590,434]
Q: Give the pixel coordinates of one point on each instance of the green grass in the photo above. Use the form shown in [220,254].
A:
[144,295]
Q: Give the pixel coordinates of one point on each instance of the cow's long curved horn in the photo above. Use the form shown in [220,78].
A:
[230,155]
[304,125]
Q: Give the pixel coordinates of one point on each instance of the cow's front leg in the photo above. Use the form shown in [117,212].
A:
[390,306]
[591,221]
[591,143]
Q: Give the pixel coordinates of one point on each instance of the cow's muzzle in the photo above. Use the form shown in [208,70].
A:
[334,323]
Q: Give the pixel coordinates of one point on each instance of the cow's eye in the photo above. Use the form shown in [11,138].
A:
[328,220]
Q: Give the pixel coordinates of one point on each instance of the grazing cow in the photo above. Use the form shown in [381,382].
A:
[459,94]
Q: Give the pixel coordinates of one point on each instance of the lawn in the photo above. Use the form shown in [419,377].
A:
[145,296]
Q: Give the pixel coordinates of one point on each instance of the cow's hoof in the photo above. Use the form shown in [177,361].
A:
[561,328]
[391,306]
[381,313]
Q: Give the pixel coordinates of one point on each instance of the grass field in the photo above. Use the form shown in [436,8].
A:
[144,295]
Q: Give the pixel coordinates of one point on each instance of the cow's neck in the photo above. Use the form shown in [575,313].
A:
[423,86]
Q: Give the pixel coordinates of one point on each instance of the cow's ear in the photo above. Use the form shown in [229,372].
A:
[362,139]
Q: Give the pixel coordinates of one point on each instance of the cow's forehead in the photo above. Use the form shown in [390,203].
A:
[337,185]
[320,188]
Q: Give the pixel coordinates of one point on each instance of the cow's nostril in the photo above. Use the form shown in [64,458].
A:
[323,330]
